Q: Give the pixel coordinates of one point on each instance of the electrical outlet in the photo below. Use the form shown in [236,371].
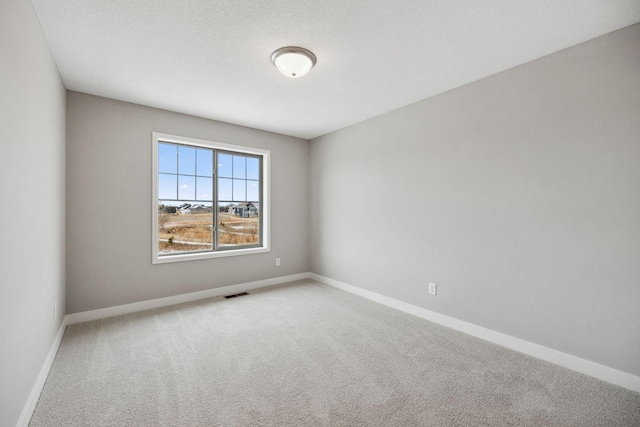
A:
[277,262]
[432,288]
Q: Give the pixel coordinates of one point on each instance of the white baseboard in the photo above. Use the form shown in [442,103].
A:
[601,372]
[101,313]
[32,401]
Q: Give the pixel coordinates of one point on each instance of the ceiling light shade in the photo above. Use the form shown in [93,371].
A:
[293,61]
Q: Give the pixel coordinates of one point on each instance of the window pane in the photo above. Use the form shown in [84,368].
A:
[186,187]
[239,191]
[238,224]
[204,162]
[185,227]
[167,186]
[253,168]
[167,158]
[239,167]
[186,160]
[224,189]
[253,191]
[225,165]
[204,189]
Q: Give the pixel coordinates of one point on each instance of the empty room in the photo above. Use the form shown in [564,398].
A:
[356,213]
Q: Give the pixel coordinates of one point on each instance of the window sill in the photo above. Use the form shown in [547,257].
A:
[206,255]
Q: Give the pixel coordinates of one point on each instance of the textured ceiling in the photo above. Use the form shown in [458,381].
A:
[211,58]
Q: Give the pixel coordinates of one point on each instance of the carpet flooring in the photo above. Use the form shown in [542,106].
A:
[306,354]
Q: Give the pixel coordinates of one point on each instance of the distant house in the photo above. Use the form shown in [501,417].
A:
[188,208]
[183,208]
[230,208]
[246,210]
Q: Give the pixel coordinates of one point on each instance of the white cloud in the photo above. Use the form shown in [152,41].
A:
[184,186]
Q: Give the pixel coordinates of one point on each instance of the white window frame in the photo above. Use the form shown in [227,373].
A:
[265,205]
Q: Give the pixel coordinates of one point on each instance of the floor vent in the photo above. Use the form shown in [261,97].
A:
[241,294]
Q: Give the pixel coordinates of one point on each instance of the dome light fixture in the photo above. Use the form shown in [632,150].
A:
[293,61]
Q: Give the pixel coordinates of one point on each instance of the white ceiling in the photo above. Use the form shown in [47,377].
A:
[211,58]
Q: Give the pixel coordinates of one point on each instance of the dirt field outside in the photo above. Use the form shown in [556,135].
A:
[233,230]
[194,232]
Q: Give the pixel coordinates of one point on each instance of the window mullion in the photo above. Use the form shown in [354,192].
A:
[214,207]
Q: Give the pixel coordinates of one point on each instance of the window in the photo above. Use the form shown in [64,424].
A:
[210,199]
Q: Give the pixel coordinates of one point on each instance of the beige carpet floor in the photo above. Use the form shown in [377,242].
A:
[305,354]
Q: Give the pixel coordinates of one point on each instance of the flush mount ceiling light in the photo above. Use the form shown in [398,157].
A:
[293,61]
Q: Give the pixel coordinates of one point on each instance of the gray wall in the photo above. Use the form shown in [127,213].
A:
[32,119]
[519,195]
[109,206]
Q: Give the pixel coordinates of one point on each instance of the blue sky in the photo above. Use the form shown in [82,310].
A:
[186,173]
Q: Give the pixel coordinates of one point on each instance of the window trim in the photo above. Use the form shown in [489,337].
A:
[265,205]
